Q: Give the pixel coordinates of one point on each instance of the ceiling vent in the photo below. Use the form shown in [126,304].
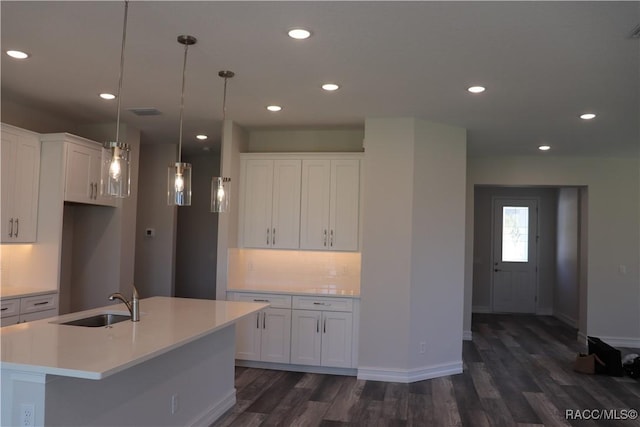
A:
[145,111]
[635,34]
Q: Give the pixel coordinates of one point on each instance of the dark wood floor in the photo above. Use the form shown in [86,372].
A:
[517,372]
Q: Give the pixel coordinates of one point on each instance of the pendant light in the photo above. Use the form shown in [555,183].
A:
[221,186]
[179,176]
[115,166]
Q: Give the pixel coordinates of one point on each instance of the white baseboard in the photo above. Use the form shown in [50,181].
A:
[481,309]
[628,342]
[297,368]
[566,319]
[582,337]
[215,411]
[409,375]
[467,335]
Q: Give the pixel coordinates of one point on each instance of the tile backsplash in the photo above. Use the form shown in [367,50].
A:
[278,269]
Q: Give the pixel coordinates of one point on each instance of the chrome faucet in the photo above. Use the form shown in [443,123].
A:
[133,305]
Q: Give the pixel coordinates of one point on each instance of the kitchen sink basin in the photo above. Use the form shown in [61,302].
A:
[99,320]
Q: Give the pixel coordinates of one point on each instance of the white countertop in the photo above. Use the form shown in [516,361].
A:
[328,290]
[46,347]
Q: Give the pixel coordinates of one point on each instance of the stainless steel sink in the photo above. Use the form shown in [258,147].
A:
[98,320]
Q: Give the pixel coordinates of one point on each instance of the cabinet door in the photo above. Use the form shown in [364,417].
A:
[79,183]
[10,320]
[8,144]
[257,203]
[20,176]
[248,334]
[337,331]
[25,196]
[306,337]
[314,215]
[345,205]
[276,335]
[285,219]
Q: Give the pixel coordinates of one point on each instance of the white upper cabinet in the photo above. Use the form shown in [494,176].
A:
[330,209]
[270,203]
[82,159]
[20,183]
[82,177]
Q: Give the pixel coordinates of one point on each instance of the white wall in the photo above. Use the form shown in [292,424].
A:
[235,140]
[305,140]
[613,230]
[197,236]
[155,256]
[482,243]
[413,228]
[566,290]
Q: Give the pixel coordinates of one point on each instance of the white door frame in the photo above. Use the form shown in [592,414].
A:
[495,199]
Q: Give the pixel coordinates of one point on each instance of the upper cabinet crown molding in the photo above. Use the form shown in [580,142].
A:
[82,158]
[20,184]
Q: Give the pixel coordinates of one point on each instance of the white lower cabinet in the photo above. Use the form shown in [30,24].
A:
[322,331]
[321,338]
[265,336]
[28,308]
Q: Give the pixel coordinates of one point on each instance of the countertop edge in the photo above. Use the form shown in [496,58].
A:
[289,292]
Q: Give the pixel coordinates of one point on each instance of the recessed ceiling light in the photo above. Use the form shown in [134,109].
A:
[274,108]
[330,87]
[476,89]
[201,137]
[107,96]
[544,147]
[587,116]
[17,54]
[299,33]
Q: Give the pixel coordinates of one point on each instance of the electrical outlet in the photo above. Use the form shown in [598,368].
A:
[174,403]
[27,414]
[423,347]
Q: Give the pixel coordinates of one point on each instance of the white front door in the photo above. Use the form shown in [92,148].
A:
[514,255]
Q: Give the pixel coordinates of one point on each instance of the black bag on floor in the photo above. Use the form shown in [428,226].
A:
[611,357]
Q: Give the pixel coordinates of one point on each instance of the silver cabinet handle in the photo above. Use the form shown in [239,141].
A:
[273,237]
[268,230]
[11,227]
[4,308]
[258,321]
[42,303]
[319,303]
[17,226]
[317,325]
[325,325]
[260,300]
[264,321]
[95,193]
[331,239]
[91,190]
[325,238]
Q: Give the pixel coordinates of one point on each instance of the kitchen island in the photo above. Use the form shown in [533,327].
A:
[174,367]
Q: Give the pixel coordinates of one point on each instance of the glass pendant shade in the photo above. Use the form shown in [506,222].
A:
[220,194]
[115,170]
[179,184]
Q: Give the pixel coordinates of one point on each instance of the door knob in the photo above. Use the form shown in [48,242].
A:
[496,269]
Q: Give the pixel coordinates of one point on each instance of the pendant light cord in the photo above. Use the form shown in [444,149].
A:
[124,39]
[224,102]
[184,72]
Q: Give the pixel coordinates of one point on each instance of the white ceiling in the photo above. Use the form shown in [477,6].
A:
[543,64]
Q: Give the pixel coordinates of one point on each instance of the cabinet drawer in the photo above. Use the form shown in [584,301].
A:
[10,320]
[276,301]
[323,303]
[10,307]
[37,303]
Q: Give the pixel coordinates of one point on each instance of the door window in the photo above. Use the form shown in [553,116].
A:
[515,234]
